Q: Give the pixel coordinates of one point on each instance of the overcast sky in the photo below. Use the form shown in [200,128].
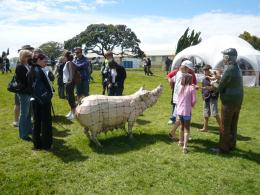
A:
[157,23]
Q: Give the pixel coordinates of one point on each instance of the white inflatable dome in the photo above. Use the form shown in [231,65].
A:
[209,52]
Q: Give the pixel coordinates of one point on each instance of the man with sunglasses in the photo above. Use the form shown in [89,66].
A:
[83,67]
[231,95]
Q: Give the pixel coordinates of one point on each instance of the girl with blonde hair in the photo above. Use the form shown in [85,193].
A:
[24,95]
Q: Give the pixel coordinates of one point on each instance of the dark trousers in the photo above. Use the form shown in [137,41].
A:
[228,133]
[115,90]
[70,94]
[61,91]
[42,126]
[104,85]
[149,70]
[145,70]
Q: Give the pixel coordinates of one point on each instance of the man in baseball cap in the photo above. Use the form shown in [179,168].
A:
[231,95]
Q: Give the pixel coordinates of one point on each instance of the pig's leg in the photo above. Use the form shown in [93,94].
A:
[130,127]
[94,138]
[87,132]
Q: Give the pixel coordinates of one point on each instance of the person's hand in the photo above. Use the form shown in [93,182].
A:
[171,84]
[196,86]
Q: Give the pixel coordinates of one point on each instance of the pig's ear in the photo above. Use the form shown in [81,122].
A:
[145,96]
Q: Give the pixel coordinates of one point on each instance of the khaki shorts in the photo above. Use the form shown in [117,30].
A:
[210,107]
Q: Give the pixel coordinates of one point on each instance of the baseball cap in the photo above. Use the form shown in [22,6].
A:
[230,52]
[188,64]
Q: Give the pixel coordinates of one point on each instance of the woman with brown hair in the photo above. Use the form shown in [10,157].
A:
[42,94]
[68,79]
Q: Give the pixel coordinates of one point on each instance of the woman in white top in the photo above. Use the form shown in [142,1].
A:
[68,79]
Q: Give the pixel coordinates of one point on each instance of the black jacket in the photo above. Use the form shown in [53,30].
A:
[60,73]
[121,74]
[40,87]
[22,78]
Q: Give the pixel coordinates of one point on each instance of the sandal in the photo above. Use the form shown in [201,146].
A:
[203,130]
[185,150]
[172,138]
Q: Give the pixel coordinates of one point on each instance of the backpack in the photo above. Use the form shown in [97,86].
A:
[76,76]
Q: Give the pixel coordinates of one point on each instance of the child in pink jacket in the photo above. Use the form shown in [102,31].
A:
[186,100]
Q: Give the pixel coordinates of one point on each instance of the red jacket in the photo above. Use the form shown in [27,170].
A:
[174,72]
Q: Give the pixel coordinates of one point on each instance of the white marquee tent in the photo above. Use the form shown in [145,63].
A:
[209,52]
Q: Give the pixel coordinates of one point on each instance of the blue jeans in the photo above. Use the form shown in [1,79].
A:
[173,115]
[25,124]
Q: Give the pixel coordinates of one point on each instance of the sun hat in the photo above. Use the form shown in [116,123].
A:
[26,47]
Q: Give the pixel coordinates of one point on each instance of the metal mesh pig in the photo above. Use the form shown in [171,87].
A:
[99,113]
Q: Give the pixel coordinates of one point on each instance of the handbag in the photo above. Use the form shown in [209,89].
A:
[14,86]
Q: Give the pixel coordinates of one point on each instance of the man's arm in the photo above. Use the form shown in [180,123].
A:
[81,64]
[224,81]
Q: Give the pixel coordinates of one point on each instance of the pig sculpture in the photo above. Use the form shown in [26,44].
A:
[99,113]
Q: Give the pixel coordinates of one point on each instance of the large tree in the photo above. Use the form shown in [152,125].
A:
[52,49]
[253,40]
[100,38]
[187,40]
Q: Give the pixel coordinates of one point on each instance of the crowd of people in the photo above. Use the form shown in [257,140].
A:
[228,85]
[5,62]
[34,90]
[33,98]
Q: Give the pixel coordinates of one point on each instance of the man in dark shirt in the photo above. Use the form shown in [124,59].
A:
[231,95]
[83,67]
[116,76]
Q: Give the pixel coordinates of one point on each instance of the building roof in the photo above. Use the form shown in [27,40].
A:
[159,53]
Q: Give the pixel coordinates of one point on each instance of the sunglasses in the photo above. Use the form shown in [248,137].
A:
[77,52]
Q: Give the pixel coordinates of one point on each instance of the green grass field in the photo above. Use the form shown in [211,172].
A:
[149,164]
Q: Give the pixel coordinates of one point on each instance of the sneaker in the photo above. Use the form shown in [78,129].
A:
[68,115]
[15,124]
[71,117]
[170,122]
[28,139]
